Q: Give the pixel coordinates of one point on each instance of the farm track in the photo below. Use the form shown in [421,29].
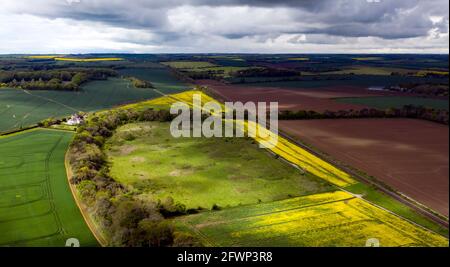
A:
[51,100]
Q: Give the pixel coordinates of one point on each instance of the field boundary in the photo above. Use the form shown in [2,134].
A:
[89,221]
[18,131]
[419,208]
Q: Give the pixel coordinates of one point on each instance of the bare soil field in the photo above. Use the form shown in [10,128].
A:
[409,155]
[318,99]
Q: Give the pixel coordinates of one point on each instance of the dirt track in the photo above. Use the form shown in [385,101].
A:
[409,155]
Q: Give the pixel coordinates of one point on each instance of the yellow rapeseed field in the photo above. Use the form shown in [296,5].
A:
[367,58]
[166,101]
[299,58]
[423,73]
[61,58]
[42,57]
[88,59]
[328,219]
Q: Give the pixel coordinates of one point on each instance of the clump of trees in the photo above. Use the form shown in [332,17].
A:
[138,83]
[49,122]
[433,89]
[129,220]
[205,74]
[68,79]
[408,111]
[266,72]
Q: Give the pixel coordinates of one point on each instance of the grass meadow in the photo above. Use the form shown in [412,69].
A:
[202,172]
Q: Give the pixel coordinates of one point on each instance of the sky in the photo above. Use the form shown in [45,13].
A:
[224,26]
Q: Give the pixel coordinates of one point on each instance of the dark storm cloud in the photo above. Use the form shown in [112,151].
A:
[352,18]
[386,19]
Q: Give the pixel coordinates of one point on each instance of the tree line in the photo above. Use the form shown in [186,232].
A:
[433,89]
[408,111]
[129,221]
[68,80]
[266,72]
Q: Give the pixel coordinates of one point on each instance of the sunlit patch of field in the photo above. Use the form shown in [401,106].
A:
[299,58]
[235,58]
[424,73]
[167,101]
[368,70]
[88,59]
[43,57]
[367,58]
[188,64]
[327,219]
[73,59]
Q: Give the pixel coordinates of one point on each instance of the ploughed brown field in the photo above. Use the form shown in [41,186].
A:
[411,156]
[318,99]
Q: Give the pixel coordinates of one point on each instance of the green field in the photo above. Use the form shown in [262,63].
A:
[161,78]
[19,108]
[36,205]
[202,172]
[368,70]
[202,66]
[384,102]
[188,64]
[335,219]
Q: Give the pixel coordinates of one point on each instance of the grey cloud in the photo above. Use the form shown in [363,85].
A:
[353,18]
[337,19]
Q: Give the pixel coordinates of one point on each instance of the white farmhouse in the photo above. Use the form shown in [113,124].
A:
[75,120]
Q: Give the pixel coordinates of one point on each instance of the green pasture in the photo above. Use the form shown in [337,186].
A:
[202,172]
